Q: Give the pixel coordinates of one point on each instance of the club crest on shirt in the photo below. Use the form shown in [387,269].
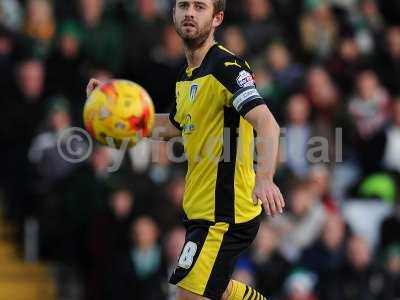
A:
[194,87]
[245,79]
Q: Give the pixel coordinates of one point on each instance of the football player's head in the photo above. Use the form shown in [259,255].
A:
[196,20]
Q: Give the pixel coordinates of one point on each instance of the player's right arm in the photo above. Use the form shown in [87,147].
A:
[163,128]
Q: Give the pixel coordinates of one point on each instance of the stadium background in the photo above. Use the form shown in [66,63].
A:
[77,231]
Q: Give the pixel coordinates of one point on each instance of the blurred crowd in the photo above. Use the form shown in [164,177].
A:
[328,69]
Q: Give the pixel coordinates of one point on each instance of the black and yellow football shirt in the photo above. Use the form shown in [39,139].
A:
[211,101]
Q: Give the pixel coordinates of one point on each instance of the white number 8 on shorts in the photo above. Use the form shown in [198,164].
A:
[186,259]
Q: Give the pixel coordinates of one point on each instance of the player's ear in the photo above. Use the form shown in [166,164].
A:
[218,18]
[173,15]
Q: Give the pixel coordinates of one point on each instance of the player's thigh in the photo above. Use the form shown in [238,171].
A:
[182,294]
[199,254]
[235,241]
[208,258]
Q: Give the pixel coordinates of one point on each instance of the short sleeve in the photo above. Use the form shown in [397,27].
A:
[172,117]
[237,78]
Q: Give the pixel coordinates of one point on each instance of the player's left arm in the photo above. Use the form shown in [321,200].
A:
[267,145]
[235,74]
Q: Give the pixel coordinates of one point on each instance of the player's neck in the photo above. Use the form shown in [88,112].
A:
[195,56]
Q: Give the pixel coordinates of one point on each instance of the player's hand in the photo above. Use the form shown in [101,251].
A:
[93,83]
[269,194]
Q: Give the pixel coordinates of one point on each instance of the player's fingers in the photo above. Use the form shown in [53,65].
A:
[271,201]
[278,201]
[265,203]
[281,199]
[267,208]
[89,87]
[93,83]
[97,83]
[255,198]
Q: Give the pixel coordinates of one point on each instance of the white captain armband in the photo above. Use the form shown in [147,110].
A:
[246,99]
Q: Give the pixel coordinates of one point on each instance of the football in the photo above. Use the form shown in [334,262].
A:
[119,112]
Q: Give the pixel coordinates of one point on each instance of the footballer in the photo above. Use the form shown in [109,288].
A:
[218,112]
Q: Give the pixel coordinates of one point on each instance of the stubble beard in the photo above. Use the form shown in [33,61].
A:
[196,41]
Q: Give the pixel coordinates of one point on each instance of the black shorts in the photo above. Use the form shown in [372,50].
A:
[209,255]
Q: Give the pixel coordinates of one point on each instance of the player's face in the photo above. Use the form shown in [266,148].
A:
[195,20]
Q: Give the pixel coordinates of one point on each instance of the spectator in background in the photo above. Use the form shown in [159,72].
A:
[147,22]
[173,246]
[162,167]
[11,14]
[85,193]
[49,166]
[149,9]
[367,24]
[269,90]
[392,268]
[326,111]
[31,79]
[372,18]
[22,112]
[320,183]
[392,146]
[319,31]
[234,40]
[346,64]
[271,268]
[299,286]
[390,228]
[165,62]
[322,91]
[288,12]
[167,207]
[49,170]
[65,61]
[369,107]
[389,60]
[40,24]
[358,277]
[287,74]
[369,111]
[109,237]
[326,255]
[301,226]
[102,41]
[297,135]
[7,63]
[349,6]
[141,272]
[363,18]
[261,26]
[92,12]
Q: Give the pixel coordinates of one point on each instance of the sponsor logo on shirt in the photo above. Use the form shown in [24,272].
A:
[187,126]
[245,79]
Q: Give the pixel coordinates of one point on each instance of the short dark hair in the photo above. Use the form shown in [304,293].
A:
[219,5]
